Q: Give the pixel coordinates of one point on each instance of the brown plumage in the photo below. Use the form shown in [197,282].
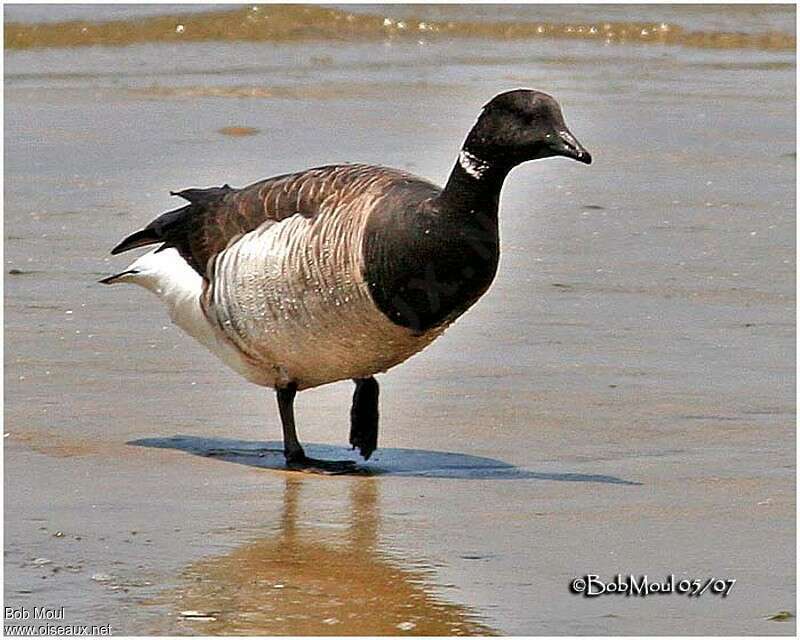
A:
[216,217]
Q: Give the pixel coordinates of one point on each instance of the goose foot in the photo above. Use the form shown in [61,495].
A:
[364,417]
[301,462]
[296,458]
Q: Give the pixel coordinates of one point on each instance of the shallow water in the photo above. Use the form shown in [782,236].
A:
[622,400]
[762,29]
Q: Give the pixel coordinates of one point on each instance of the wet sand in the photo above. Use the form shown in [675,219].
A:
[622,400]
[292,23]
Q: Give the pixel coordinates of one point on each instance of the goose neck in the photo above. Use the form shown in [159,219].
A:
[474,184]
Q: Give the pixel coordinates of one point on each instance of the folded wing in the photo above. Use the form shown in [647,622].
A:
[216,217]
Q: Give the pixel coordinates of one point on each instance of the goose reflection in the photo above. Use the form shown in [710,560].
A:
[307,580]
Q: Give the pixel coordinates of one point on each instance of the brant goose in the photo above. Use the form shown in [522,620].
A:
[341,271]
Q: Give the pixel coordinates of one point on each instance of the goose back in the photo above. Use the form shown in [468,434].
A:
[216,217]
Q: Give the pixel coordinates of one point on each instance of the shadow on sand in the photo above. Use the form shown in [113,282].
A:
[393,462]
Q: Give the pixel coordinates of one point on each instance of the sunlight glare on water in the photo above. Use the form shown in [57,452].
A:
[287,23]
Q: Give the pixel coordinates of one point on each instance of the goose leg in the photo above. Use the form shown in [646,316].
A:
[364,417]
[296,457]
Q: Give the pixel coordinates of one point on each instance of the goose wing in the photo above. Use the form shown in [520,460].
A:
[217,217]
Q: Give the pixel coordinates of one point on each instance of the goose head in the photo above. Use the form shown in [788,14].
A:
[517,126]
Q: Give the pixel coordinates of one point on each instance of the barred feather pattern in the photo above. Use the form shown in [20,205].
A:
[292,297]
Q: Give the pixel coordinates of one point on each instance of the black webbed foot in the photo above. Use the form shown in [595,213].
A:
[296,458]
[364,417]
[301,462]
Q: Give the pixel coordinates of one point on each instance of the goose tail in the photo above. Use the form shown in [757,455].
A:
[141,238]
[117,277]
[160,230]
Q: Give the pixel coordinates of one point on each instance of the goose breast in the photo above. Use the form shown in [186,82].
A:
[291,295]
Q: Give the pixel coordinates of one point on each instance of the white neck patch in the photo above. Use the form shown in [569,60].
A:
[473,165]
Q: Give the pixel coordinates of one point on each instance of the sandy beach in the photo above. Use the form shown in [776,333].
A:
[621,401]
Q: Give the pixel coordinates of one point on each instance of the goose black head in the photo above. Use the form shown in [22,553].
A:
[517,126]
